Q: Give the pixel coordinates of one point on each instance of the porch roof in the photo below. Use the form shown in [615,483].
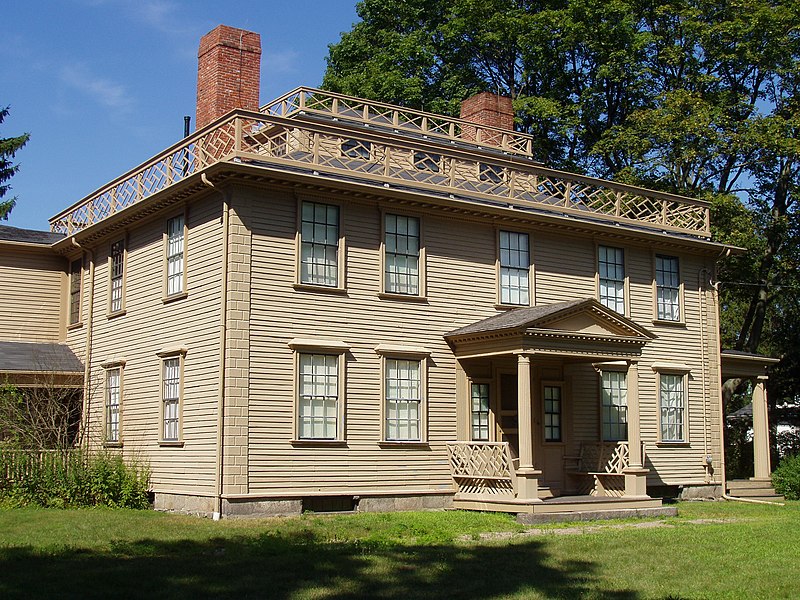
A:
[736,363]
[576,328]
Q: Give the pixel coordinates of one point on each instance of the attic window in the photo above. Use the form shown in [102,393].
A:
[491,173]
[427,162]
[356,149]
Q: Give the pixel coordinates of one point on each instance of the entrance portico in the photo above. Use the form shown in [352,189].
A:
[554,351]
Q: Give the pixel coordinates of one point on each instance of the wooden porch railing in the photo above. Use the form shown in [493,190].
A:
[482,468]
[336,149]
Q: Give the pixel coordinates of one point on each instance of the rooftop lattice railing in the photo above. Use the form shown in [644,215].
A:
[338,106]
[388,159]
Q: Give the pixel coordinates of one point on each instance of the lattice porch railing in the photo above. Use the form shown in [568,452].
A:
[387,159]
[482,468]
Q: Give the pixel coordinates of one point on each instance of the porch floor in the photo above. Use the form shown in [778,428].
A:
[557,504]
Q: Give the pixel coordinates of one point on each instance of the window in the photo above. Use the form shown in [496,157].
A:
[75,273]
[490,173]
[318,397]
[356,149]
[112,405]
[514,268]
[402,255]
[480,412]
[552,413]
[611,271]
[614,392]
[116,269]
[427,162]
[171,398]
[671,400]
[667,289]
[175,255]
[403,391]
[319,244]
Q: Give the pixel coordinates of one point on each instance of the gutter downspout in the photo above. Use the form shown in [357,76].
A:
[223,337]
[703,301]
[87,352]
[751,500]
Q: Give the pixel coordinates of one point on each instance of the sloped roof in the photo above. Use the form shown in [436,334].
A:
[30,236]
[536,316]
[28,357]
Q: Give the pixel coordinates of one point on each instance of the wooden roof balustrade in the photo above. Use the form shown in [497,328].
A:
[297,134]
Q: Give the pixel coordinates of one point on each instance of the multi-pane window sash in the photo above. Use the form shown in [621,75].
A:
[112,404]
[117,266]
[175,255]
[171,398]
[403,399]
[614,389]
[667,288]
[611,268]
[318,396]
[319,247]
[401,260]
[514,268]
[552,413]
[480,412]
[75,269]
[671,399]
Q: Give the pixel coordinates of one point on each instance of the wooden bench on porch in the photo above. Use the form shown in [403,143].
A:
[483,469]
[599,467]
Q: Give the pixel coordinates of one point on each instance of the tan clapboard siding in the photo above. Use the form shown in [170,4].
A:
[461,288]
[150,325]
[362,320]
[30,295]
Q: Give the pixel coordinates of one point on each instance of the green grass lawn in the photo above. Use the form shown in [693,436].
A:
[741,551]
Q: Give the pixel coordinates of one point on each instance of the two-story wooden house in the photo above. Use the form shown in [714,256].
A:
[329,303]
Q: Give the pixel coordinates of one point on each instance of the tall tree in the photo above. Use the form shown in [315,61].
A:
[8,150]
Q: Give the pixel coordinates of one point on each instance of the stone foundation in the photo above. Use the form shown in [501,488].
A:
[404,503]
[701,492]
[262,508]
[180,503]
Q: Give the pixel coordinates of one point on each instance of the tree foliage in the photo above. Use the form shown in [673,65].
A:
[8,150]
[696,97]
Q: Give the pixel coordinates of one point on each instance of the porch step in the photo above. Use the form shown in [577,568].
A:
[753,489]
[571,505]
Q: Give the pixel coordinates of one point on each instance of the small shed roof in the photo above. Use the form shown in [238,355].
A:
[29,357]
[28,236]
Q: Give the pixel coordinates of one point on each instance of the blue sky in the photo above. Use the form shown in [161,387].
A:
[103,85]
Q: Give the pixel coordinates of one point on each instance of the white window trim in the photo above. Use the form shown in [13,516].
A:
[336,348]
[165,355]
[681,321]
[166,297]
[681,370]
[110,312]
[404,352]
[117,365]
[626,291]
[423,289]
[341,251]
[498,270]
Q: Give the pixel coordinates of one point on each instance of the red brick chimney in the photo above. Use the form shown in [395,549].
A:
[228,73]
[487,109]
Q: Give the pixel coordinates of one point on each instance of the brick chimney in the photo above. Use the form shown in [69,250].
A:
[486,109]
[228,73]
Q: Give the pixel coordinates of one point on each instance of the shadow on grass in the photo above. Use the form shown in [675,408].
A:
[272,566]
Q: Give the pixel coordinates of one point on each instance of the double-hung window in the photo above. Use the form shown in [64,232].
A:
[116,268]
[402,255]
[514,268]
[611,274]
[75,275]
[552,413]
[667,288]
[319,244]
[480,412]
[318,396]
[672,402]
[176,268]
[403,390]
[614,403]
[171,396]
[113,401]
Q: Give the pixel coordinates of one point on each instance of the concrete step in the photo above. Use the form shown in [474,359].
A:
[740,484]
[753,492]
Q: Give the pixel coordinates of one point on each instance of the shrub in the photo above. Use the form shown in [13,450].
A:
[71,479]
[786,477]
